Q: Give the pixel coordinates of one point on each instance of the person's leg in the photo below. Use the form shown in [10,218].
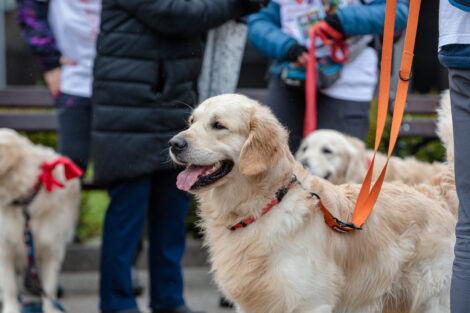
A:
[349,117]
[122,231]
[459,84]
[167,235]
[74,117]
[288,105]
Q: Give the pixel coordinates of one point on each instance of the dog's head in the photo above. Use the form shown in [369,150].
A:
[11,147]
[229,137]
[331,155]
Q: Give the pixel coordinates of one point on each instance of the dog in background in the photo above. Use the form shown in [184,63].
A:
[343,159]
[286,259]
[53,217]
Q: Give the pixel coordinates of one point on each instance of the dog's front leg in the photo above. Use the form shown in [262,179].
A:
[8,284]
[50,267]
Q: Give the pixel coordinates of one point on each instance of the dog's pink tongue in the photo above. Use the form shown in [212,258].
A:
[187,178]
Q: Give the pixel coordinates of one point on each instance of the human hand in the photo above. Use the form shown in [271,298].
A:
[298,54]
[52,77]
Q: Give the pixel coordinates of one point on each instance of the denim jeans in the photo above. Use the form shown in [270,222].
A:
[157,197]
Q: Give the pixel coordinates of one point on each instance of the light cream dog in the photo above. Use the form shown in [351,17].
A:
[53,216]
[343,159]
[288,260]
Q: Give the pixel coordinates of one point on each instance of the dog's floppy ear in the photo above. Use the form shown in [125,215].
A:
[264,146]
[356,165]
[8,157]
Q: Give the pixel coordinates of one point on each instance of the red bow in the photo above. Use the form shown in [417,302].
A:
[48,180]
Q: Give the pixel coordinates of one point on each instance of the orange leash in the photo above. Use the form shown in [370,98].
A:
[367,196]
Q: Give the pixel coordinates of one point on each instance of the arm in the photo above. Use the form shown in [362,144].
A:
[183,17]
[370,18]
[32,18]
[264,31]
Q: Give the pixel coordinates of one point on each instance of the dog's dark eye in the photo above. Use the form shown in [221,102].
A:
[327,150]
[304,148]
[217,125]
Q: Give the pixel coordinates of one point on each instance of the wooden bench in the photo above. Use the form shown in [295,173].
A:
[31,109]
[419,121]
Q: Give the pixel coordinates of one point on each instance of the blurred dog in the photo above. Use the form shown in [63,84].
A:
[53,216]
[270,248]
[343,159]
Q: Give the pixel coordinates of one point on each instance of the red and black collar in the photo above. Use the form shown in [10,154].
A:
[278,198]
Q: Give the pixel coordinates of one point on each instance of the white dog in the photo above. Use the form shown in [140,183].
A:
[270,248]
[343,159]
[53,216]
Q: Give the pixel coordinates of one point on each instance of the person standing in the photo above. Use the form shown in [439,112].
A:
[149,54]
[454,53]
[62,34]
[280,31]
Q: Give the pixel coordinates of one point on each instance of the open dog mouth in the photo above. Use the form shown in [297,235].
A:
[197,176]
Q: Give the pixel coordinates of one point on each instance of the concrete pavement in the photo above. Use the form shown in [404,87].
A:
[81,291]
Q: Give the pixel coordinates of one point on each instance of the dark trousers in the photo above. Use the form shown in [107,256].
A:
[157,197]
[459,84]
[74,117]
[288,104]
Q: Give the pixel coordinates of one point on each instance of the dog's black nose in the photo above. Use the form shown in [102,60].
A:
[305,164]
[178,144]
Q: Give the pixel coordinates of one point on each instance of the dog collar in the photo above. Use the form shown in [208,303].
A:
[278,198]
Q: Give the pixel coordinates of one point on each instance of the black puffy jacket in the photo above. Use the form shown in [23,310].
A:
[149,55]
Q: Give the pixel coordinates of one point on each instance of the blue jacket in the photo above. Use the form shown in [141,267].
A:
[264,27]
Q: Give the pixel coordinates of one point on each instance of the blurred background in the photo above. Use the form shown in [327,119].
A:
[19,67]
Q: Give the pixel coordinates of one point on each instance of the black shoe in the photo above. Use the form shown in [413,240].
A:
[180,309]
[225,303]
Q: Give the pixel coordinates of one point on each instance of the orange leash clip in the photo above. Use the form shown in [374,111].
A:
[367,196]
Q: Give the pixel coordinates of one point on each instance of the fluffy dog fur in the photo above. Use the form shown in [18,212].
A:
[53,216]
[289,261]
[344,159]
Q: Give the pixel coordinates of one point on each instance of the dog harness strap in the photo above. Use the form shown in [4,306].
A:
[279,196]
[323,31]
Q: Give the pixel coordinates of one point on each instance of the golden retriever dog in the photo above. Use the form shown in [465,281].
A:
[287,260]
[53,216]
[343,159]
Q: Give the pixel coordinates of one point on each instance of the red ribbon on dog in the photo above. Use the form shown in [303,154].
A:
[49,181]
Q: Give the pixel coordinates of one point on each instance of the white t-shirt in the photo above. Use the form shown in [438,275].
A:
[75,25]
[454,25]
[359,76]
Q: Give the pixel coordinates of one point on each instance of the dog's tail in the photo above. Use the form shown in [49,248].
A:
[446,181]
[444,126]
